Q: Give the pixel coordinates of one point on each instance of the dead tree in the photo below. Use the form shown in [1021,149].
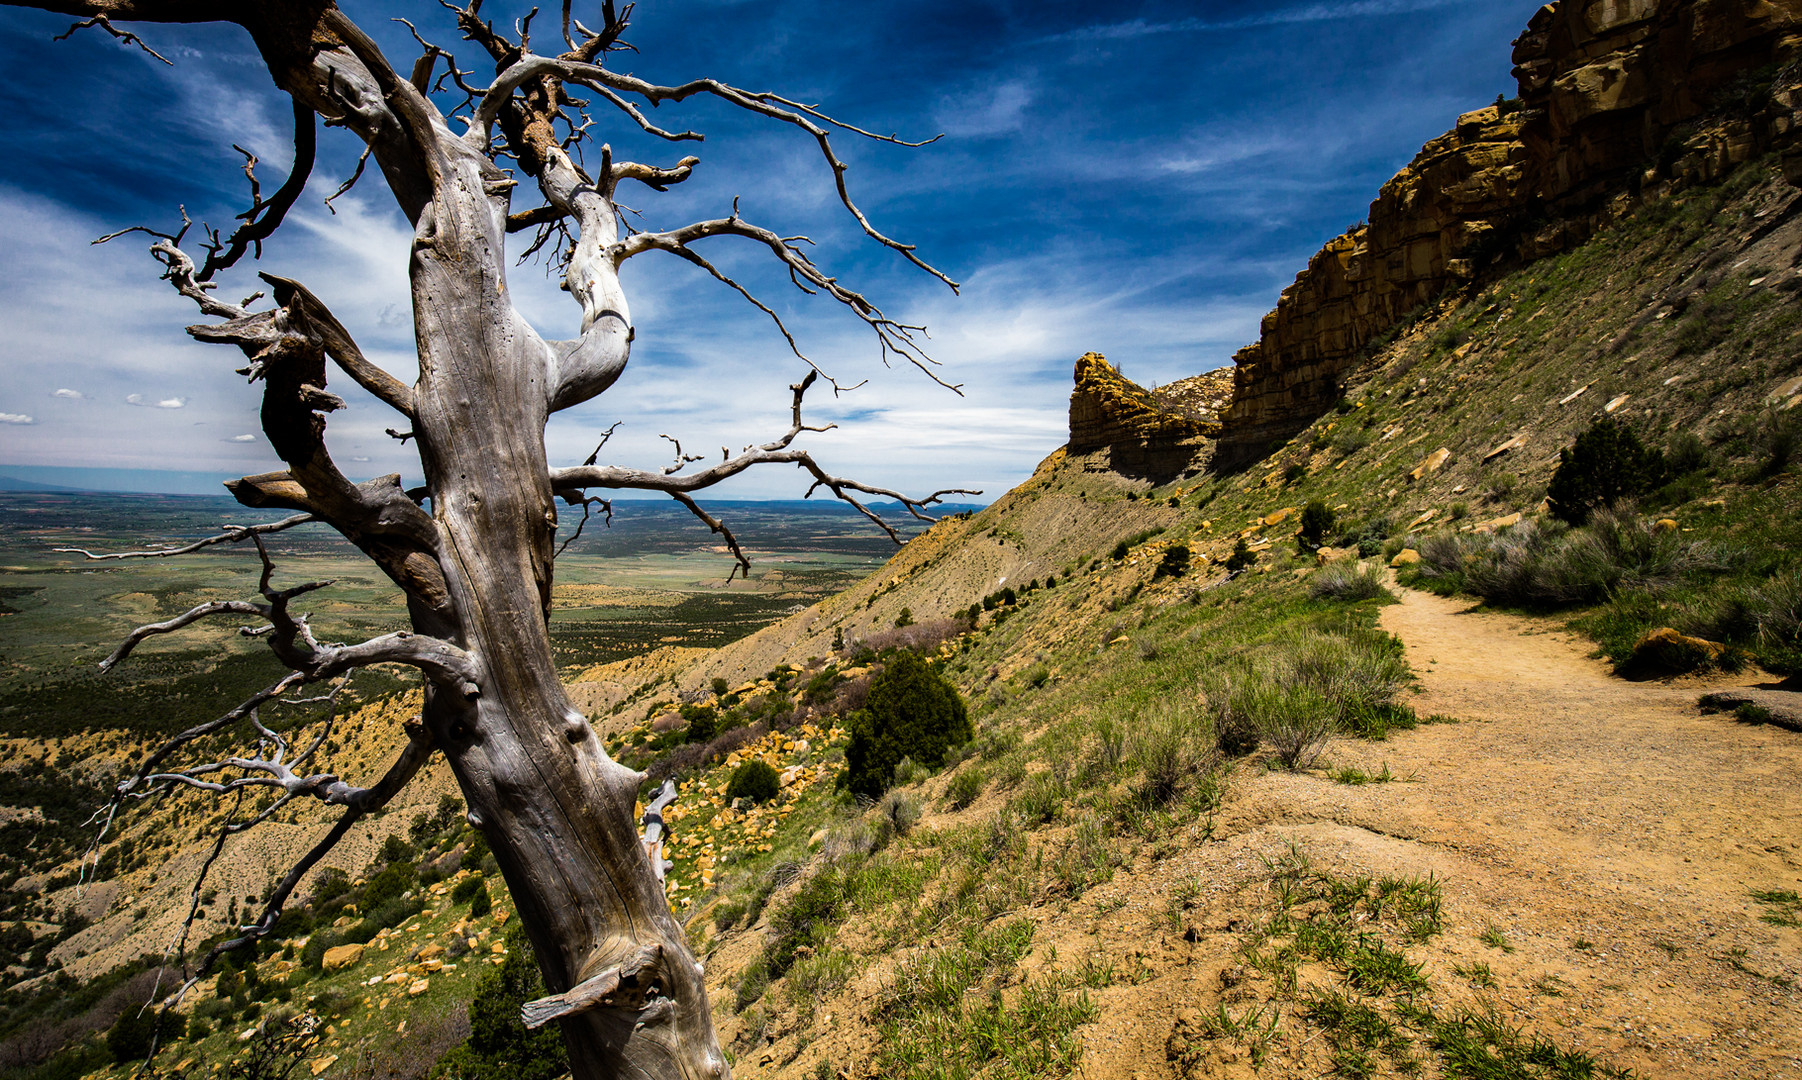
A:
[473,549]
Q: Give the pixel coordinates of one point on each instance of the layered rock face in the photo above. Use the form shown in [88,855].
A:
[1138,432]
[1616,96]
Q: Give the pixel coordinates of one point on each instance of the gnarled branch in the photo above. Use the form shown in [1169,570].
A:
[232,534]
[569,483]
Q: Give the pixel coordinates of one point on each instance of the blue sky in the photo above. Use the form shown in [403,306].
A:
[1138,179]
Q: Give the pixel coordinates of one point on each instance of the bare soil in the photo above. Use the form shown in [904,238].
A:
[1608,830]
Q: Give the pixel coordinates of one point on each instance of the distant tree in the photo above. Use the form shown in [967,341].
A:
[473,549]
[906,618]
[912,712]
[1607,464]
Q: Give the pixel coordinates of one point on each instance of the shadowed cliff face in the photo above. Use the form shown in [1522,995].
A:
[1618,99]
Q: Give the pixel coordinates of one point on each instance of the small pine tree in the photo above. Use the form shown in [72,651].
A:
[754,780]
[1241,557]
[1607,464]
[1316,521]
[906,618]
[499,1047]
[1175,562]
[912,712]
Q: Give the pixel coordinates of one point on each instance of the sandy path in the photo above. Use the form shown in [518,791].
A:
[1576,807]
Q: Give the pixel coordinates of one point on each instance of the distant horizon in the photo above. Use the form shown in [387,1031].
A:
[80,480]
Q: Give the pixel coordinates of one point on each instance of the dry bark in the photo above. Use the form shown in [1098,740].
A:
[476,568]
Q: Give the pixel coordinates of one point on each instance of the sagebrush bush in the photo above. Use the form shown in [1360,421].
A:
[1302,687]
[912,712]
[1546,564]
[1344,581]
[1606,465]
[1170,745]
[965,787]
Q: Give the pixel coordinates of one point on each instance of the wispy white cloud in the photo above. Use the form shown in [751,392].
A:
[164,403]
[994,110]
[16,418]
[242,438]
[65,392]
[1309,13]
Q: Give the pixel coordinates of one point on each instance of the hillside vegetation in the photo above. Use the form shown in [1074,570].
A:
[1235,799]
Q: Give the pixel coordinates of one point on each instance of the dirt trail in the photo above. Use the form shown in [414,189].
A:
[1614,833]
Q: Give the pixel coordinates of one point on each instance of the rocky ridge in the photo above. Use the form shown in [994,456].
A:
[1619,100]
[1116,425]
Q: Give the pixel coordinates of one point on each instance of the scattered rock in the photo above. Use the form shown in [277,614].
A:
[1425,516]
[1431,464]
[1495,523]
[319,1065]
[1664,525]
[1278,517]
[1405,557]
[1616,403]
[1574,394]
[341,956]
[1512,444]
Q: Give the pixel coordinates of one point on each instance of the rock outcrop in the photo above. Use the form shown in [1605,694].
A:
[1138,432]
[1618,98]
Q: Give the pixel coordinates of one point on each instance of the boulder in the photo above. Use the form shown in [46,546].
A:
[341,956]
[1665,525]
[1665,651]
[1512,444]
[1405,557]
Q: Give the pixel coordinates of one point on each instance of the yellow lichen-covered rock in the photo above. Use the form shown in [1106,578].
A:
[1405,557]
[341,956]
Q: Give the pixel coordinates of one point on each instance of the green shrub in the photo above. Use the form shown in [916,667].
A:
[1175,562]
[1344,581]
[1606,465]
[1316,521]
[132,1035]
[394,879]
[906,618]
[1241,557]
[499,1047]
[465,890]
[1543,564]
[1294,473]
[911,712]
[703,723]
[1170,745]
[965,787]
[754,780]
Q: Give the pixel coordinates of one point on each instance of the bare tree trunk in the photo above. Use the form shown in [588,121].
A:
[556,810]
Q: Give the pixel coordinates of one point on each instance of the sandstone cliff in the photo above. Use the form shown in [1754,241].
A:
[1618,99]
[1125,428]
